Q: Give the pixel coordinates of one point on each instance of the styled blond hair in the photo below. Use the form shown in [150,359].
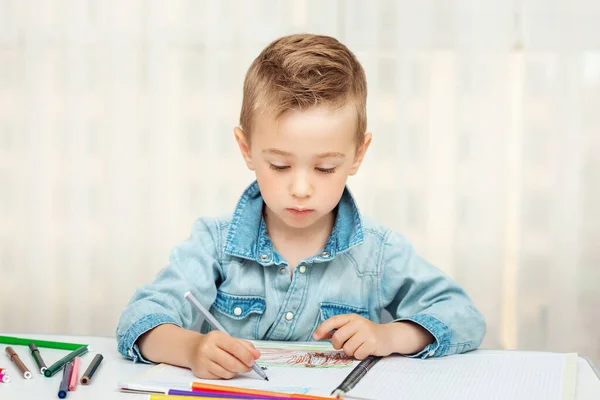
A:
[296,72]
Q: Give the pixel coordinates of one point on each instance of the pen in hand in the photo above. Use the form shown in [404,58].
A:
[215,324]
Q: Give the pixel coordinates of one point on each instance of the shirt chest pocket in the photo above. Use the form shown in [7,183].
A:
[240,315]
[331,309]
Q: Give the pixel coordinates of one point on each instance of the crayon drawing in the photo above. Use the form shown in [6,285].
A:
[304,358]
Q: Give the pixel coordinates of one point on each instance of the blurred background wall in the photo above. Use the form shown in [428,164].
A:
[116,125]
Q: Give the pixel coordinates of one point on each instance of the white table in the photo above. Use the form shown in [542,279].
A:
[115,368]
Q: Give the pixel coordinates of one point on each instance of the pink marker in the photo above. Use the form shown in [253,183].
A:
[4,378]
[74,374]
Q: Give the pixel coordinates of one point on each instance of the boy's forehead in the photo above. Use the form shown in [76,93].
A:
[318,122]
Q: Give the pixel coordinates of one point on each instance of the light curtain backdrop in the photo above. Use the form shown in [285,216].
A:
[116,125]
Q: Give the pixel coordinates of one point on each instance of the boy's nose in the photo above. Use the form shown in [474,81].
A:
[301,187]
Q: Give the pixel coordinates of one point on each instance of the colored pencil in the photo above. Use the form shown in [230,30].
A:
[219,395]
[11,340]
[54,368]
[63,389]
[205,387]
[156,396]
[74,374]
[91,370]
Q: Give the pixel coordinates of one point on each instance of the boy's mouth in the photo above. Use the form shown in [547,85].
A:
[300,212]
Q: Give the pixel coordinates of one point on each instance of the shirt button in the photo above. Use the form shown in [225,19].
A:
[302,269]
[431,353]
[282,270]
[324,254]
[130,353]
[289,316]
[264,257]
[237,311]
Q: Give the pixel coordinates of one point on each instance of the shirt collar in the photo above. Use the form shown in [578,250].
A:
[247,236]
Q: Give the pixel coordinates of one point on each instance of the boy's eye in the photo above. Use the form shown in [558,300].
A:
[326,170]
[278,167]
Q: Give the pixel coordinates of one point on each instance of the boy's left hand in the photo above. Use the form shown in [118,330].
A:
[361,337]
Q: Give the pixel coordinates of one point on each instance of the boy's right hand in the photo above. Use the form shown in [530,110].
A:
[216,355]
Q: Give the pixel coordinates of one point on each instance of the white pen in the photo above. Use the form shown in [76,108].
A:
[215,324]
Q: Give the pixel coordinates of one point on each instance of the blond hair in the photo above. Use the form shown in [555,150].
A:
[296,72]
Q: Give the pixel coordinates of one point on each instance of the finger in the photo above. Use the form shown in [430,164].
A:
[335,322]
[352,344]
[207,375]
[329,334]
[253,350]
[220,372]
[238,350]
[342,335]
[230,362]
[363,351]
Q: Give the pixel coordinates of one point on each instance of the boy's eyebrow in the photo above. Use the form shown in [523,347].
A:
[333,154]
[278,152]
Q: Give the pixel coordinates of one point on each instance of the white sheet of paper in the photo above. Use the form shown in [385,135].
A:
[485,375]
[315,368]
[304,368]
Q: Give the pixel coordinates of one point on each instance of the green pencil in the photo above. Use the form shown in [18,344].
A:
[15,341]
[54,368]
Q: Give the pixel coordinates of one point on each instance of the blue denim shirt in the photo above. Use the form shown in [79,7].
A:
[231,266]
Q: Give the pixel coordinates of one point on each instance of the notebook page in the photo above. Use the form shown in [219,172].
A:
[486,375]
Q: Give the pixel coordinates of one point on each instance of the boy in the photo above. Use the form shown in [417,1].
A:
[296,260]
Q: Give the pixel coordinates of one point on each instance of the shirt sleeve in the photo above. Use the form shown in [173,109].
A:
[414,290]
[193,266]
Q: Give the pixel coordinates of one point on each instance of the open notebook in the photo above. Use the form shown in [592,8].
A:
[317,369]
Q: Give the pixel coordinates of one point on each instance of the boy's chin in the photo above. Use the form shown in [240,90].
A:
[299,223]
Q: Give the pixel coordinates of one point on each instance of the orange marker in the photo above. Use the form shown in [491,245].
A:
[74,374]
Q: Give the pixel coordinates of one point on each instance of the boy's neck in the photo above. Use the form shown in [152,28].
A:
[305,241]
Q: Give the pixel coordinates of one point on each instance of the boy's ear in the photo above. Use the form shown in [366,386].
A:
[242,141]
[360,153]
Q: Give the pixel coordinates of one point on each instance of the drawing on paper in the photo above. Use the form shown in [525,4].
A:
[304,358]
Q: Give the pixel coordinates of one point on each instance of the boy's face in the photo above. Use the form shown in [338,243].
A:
[302,161]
